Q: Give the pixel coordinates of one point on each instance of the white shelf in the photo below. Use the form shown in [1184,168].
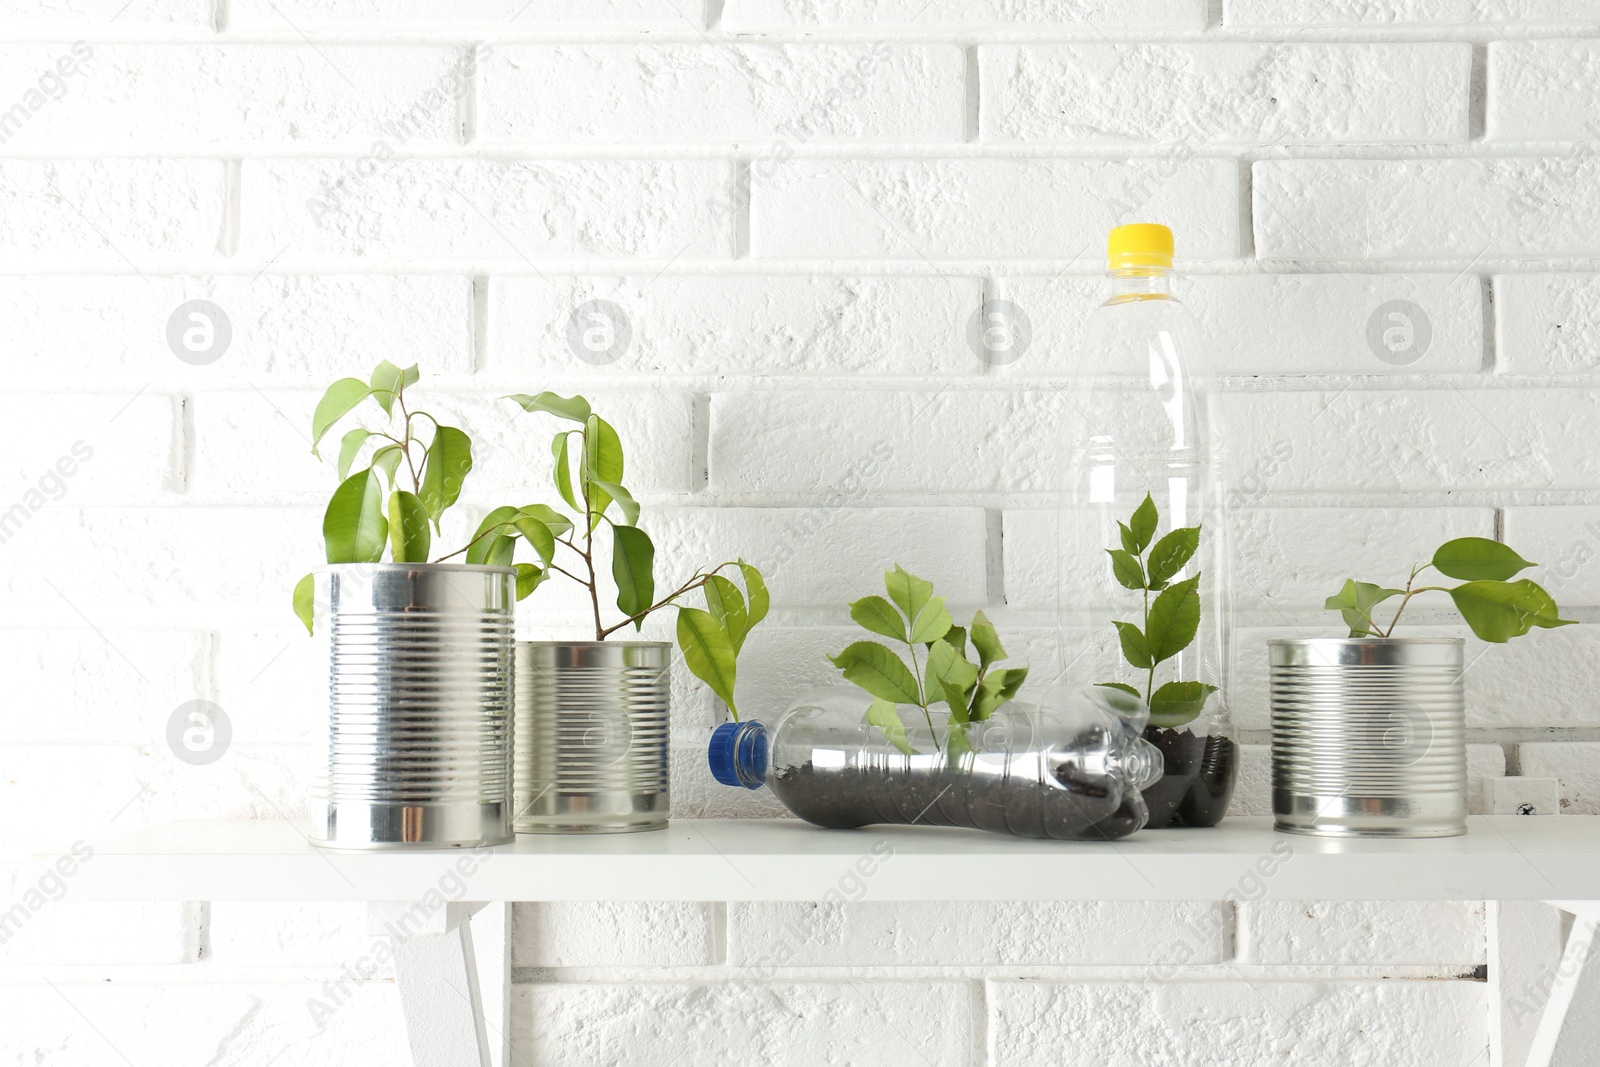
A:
[1502,858]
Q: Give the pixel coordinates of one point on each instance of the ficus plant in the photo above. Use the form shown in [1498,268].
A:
[940,670]
[1169,622]
[588,476]
[395,482]
[1496,608]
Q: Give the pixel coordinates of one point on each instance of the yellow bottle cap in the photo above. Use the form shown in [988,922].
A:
[1141,244]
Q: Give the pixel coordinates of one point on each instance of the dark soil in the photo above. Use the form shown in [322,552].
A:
[1081,807]
[1199,779]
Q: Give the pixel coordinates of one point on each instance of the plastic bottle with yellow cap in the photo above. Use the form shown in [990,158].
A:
[1140,437]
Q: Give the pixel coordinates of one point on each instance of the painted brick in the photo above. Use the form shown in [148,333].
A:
[62,680]
[1522,105]
[90,1024]
[1575,763]
[63,330]
[892,1024]
[80,14]
[775,324]
[1307,933]
[612,934]
[1320,209]
[162,94]
[986,208]
[98,934]
[876,934]
[466,210]
[1252,793]
[1545,323]
[679,15]
[299,934]
[657,431]
[109,211]
[1292,1023]
[1565,540]
[1272,571]
[793,93]
[88,448]
[1278,324]
[266,681]
[1224,93]
[1402,12]
[916,14]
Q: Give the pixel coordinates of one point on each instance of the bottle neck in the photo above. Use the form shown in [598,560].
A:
[1141,283]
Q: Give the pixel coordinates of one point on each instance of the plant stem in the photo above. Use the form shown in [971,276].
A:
[588,548]
[405,447]
[1150,678]
[916,677]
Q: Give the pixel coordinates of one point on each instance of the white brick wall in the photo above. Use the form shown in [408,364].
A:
[797,205]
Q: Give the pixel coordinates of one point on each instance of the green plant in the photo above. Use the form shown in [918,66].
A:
[1170,623]
[588,473]
[917,619]
[1496,608]
[392,505]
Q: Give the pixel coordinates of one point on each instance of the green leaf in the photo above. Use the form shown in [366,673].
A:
[878,615]
[559,524]
[538,536]
[1478,559]
[996,689]
[1499,611]
[528,579]
[563,469]
[756,586]
[947,667]
[985,641]
[353,526]
[480,548]
[340,399]
[1125,567]
[387,382]
[1171,553]
[624,499]
[1355,603]
[574,409]
[602,463]
[1121,687]
[387,459]
[409,538]
[879,671]
[909,593]
[633,559]
[708,653]
[885,716]
[955,698]
[1130,543]
[726,605]
[1143,526]
[933,622]
[349,445]
[305,596]
[956,636]
[1174,618]
[1178,702]
[444,469]
[1135,649]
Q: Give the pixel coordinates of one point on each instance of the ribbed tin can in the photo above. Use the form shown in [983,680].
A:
[415,705]
[1369,737]
[592,736]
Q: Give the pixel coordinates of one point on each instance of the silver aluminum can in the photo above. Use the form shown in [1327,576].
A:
[1369,737]
[593,719]
[414,730]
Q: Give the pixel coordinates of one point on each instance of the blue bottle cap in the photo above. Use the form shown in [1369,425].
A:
[738,754]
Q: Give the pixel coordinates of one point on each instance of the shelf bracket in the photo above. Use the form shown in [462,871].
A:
[1569,1027]
[452,966]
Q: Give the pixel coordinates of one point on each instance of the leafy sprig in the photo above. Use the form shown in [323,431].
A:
[939,670]
[1496,608]
[1169,623]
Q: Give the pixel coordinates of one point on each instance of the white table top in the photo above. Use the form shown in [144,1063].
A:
[1505,858]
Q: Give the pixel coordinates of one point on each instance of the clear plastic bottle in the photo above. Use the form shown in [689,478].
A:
[1141,419]
[1068,767]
